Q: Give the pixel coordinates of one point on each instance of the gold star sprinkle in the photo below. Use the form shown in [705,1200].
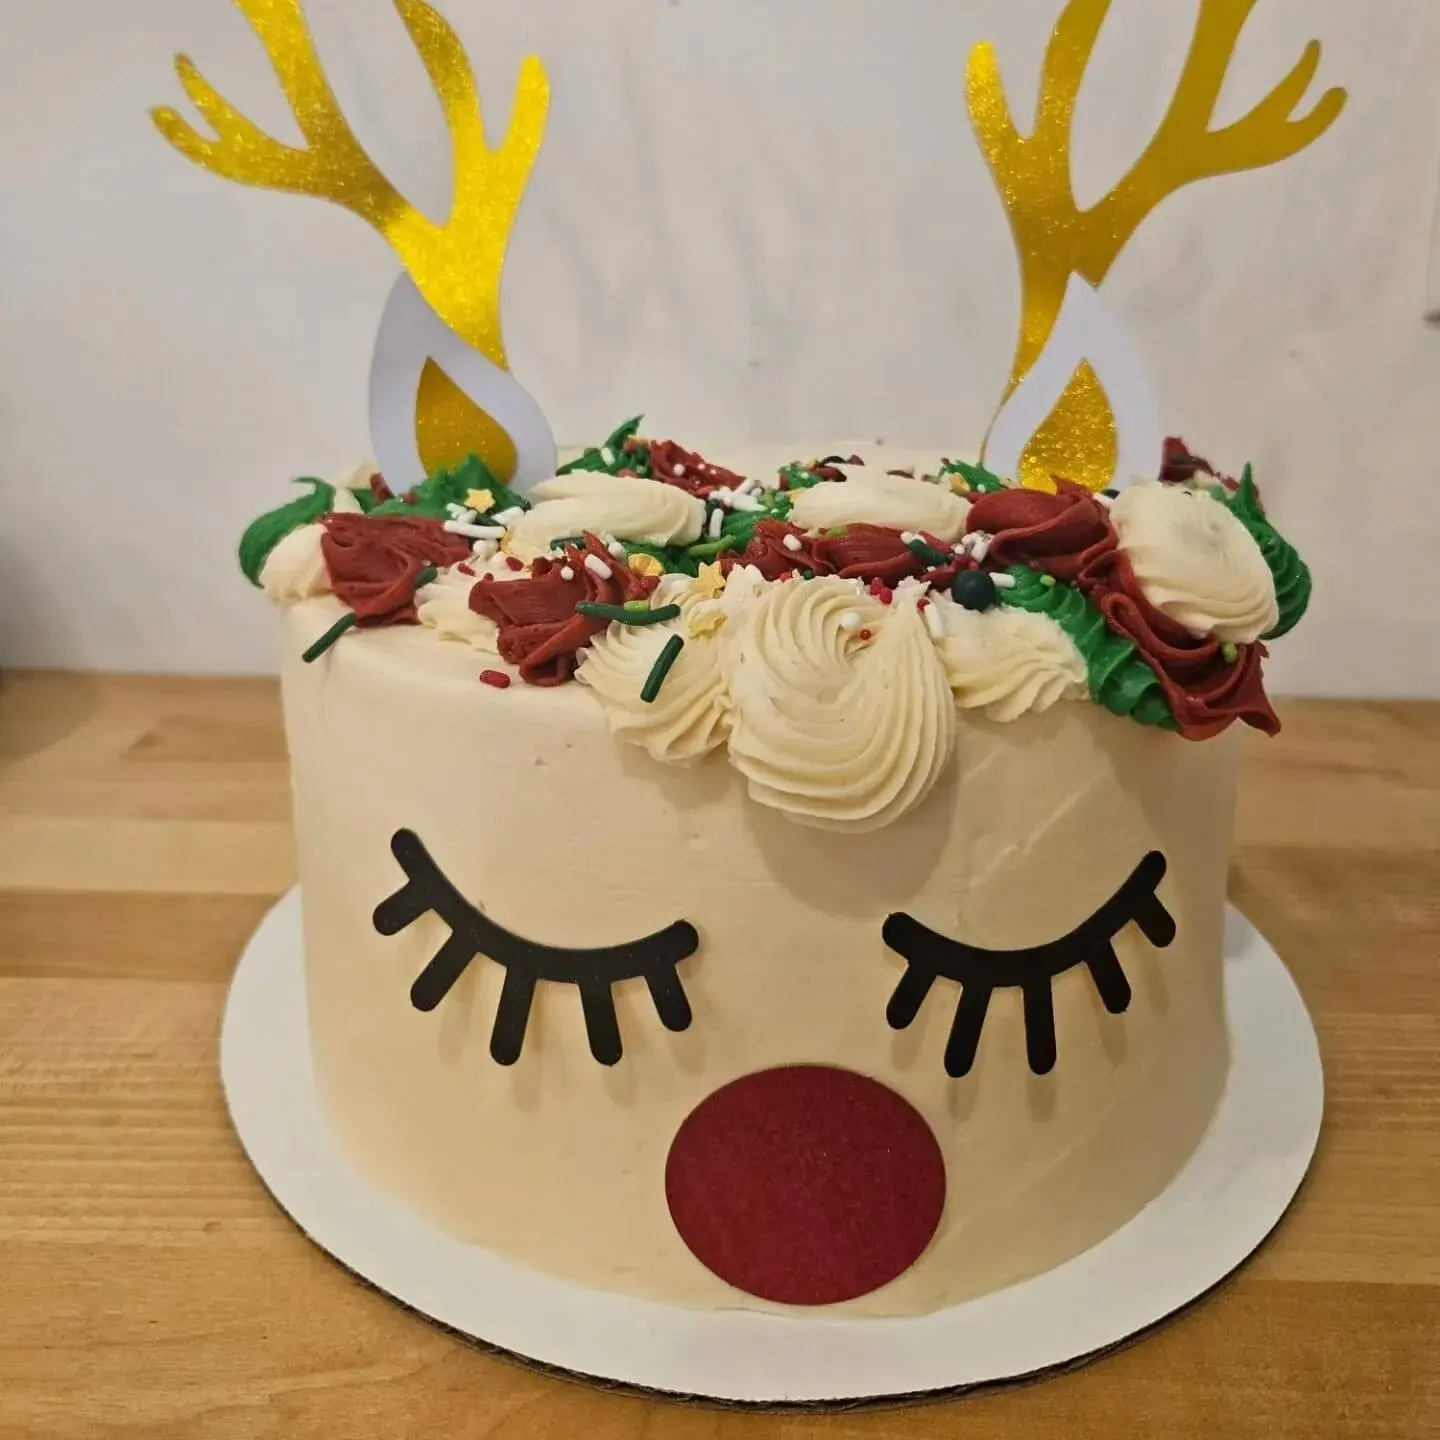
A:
[482,501]
[704,619]
[709,583]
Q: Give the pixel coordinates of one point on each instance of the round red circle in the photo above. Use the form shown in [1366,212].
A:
[806,1184]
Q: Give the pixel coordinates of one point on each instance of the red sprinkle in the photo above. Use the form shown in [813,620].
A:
[379,489]
[498,678]
[514,562]
[464,569]
[866,635]
[412,497]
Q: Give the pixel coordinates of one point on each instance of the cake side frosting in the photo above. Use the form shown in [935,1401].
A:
[533,813]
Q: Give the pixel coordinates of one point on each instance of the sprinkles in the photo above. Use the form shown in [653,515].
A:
[344,623]
[624,615]
[498,678]
[661,668]
[714,547]
[597,567]
[474,532]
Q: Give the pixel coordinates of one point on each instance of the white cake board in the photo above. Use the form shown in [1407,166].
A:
[1219,1208]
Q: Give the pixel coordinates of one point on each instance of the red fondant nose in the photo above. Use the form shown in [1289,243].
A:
[806,1184]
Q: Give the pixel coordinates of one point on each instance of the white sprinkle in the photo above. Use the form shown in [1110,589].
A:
[566,573]
[614,547]
[474,532]
[981,548]
[460,512]
[597,567]
[607,455]
[742,501]
[959,547]
[484,551]
[508,517]
[792,544]
[934,621]
[715,524]
[909,536]
[1002,582]
[850,620]
[677,469]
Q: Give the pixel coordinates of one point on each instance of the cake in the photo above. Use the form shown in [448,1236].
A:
[771,878]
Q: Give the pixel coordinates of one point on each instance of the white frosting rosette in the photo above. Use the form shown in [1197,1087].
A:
[619,505]
[1195,562]
[689,716]
[1006,663]
[870,496]
[842,715]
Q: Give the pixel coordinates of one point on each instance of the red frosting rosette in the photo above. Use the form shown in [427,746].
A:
[540,632]
[772,557]
[868,552]
[373,563]
[1069,535]
[688,471]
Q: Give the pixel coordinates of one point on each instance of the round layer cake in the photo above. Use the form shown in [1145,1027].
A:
[810,893]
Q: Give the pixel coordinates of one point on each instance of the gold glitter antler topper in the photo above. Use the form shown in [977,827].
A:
[1075,434]
[448,309]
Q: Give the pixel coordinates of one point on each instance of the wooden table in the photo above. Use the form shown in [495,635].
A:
[149,1286]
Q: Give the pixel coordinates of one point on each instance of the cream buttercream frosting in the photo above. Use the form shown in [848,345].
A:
[620,505]
[1007,662]
[689,717]
[842,714]
[1195,561]
[872,496]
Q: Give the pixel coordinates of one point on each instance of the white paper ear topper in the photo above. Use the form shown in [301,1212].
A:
[1086,332]
[411,334]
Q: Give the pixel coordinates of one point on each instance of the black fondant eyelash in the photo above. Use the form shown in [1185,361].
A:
[592,972]
[981,972]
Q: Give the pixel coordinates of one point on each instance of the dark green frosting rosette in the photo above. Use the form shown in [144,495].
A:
[1119,679]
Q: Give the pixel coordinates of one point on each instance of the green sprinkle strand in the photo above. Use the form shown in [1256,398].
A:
[426,576]
[1047,581]
[624,615]
[344,623]
[1229,651]
[637,604]
[661,668]
[925,551]
[714,547]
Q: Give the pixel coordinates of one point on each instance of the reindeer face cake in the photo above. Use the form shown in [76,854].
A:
[737,878]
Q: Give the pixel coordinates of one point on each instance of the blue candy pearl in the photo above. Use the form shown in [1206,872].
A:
[973,589]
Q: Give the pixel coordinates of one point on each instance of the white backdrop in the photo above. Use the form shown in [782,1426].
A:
[758,219]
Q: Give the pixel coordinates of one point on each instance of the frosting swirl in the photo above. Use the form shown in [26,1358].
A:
[1119,679]
[444,606]
[1195,562]
[1051,532]
[870,496]
[834,729]
[1007,662]
[589,501]
[1289,572]
[690,716]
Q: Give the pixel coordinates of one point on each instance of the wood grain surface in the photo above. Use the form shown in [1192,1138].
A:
[149,1286]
